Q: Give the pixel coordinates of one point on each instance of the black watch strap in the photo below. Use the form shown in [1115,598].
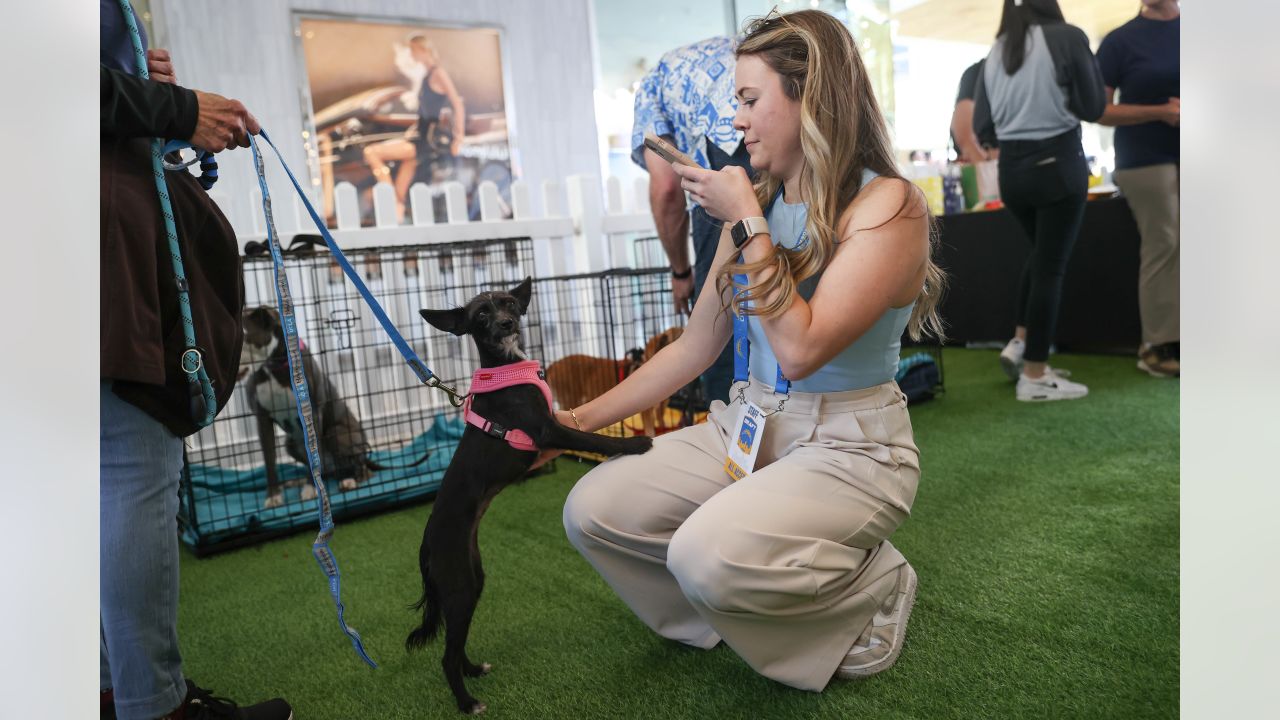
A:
[682,275]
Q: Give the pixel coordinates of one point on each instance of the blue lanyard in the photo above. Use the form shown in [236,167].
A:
[203,403]
[742,341]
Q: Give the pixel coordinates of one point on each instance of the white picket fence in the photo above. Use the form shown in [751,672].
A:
[584,226]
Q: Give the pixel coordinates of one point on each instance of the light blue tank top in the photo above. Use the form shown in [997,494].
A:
[871,360]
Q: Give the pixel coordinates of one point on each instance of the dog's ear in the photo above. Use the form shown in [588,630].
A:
[452,321]
[523,292]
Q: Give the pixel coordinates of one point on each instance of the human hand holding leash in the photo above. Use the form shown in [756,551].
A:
[222,123]
[726,195]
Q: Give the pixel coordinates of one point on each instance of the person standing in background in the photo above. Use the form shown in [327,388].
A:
[1039,81]
[1140,59]
[969,147]
[688,99]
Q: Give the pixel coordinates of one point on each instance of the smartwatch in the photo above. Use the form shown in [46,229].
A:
[747,228]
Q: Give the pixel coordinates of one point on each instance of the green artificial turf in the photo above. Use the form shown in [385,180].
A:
[1045,537]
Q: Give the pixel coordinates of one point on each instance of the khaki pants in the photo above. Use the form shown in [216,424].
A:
[1153,196]
[788,565]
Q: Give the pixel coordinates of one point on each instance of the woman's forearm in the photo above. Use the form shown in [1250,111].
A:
[672,368]
[459,119]
[786,331]
[1123,114]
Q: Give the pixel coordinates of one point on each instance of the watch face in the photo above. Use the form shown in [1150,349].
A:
[739,234]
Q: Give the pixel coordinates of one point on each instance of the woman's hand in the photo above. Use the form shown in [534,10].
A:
[545,456]
[726,195]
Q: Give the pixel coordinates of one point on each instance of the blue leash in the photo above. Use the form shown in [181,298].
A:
[204,405]
[411,358]
[302,395]
[320,548]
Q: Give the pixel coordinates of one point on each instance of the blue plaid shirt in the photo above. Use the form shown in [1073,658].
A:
[689,95]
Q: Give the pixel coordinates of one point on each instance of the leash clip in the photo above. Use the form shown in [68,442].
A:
[192,360]
[454,398]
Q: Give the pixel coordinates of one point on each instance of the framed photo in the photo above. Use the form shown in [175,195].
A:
[404,102]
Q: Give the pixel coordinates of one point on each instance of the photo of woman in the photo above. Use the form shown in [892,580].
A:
[395,103]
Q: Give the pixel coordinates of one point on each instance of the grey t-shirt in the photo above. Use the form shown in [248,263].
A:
[1058,85]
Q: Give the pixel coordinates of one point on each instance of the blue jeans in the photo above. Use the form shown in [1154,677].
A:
[140,464]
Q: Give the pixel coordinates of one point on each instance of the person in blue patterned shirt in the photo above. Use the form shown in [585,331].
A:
[689,100]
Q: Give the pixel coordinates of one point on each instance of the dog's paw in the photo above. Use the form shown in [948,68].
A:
[347,484]
[477,670]
[472,707]
[638,445]
[274,501]
[307,493]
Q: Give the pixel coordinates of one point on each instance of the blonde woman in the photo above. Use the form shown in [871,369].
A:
[429,141]
[791,564]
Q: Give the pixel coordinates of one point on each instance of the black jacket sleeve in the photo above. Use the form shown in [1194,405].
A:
[1077,70]
[133,107]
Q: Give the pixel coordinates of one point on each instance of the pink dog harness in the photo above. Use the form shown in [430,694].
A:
[526,372]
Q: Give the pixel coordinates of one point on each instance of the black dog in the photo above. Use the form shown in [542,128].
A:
[482,466]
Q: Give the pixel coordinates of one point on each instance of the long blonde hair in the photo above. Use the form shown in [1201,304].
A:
[842,132]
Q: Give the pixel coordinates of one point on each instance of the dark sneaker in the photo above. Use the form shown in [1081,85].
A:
[202,705]
[1159,360]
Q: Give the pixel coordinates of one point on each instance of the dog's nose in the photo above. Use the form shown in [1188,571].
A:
[507,324]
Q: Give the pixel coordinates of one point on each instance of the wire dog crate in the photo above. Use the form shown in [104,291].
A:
[589,331]
[224,485]
[603,320]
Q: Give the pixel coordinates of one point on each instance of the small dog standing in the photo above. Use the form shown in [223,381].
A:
[344,451]
[496,450]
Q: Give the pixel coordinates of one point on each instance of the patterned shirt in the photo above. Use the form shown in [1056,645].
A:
[689,95]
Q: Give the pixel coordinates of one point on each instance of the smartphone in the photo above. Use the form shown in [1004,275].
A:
[667,151]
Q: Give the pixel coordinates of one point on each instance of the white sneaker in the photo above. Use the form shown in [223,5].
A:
[877,649]
[1050,386]
[1011,358]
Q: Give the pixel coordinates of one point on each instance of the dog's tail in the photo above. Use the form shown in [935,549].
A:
[377,466]
[429,604]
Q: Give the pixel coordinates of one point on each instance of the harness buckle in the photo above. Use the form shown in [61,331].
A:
[496,430]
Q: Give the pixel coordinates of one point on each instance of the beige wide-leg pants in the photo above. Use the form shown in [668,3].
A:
[788,565]
[1153,194]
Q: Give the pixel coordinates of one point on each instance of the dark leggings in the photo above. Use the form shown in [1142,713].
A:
[1045,184]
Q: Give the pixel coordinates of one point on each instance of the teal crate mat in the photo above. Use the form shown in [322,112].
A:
[221,504]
